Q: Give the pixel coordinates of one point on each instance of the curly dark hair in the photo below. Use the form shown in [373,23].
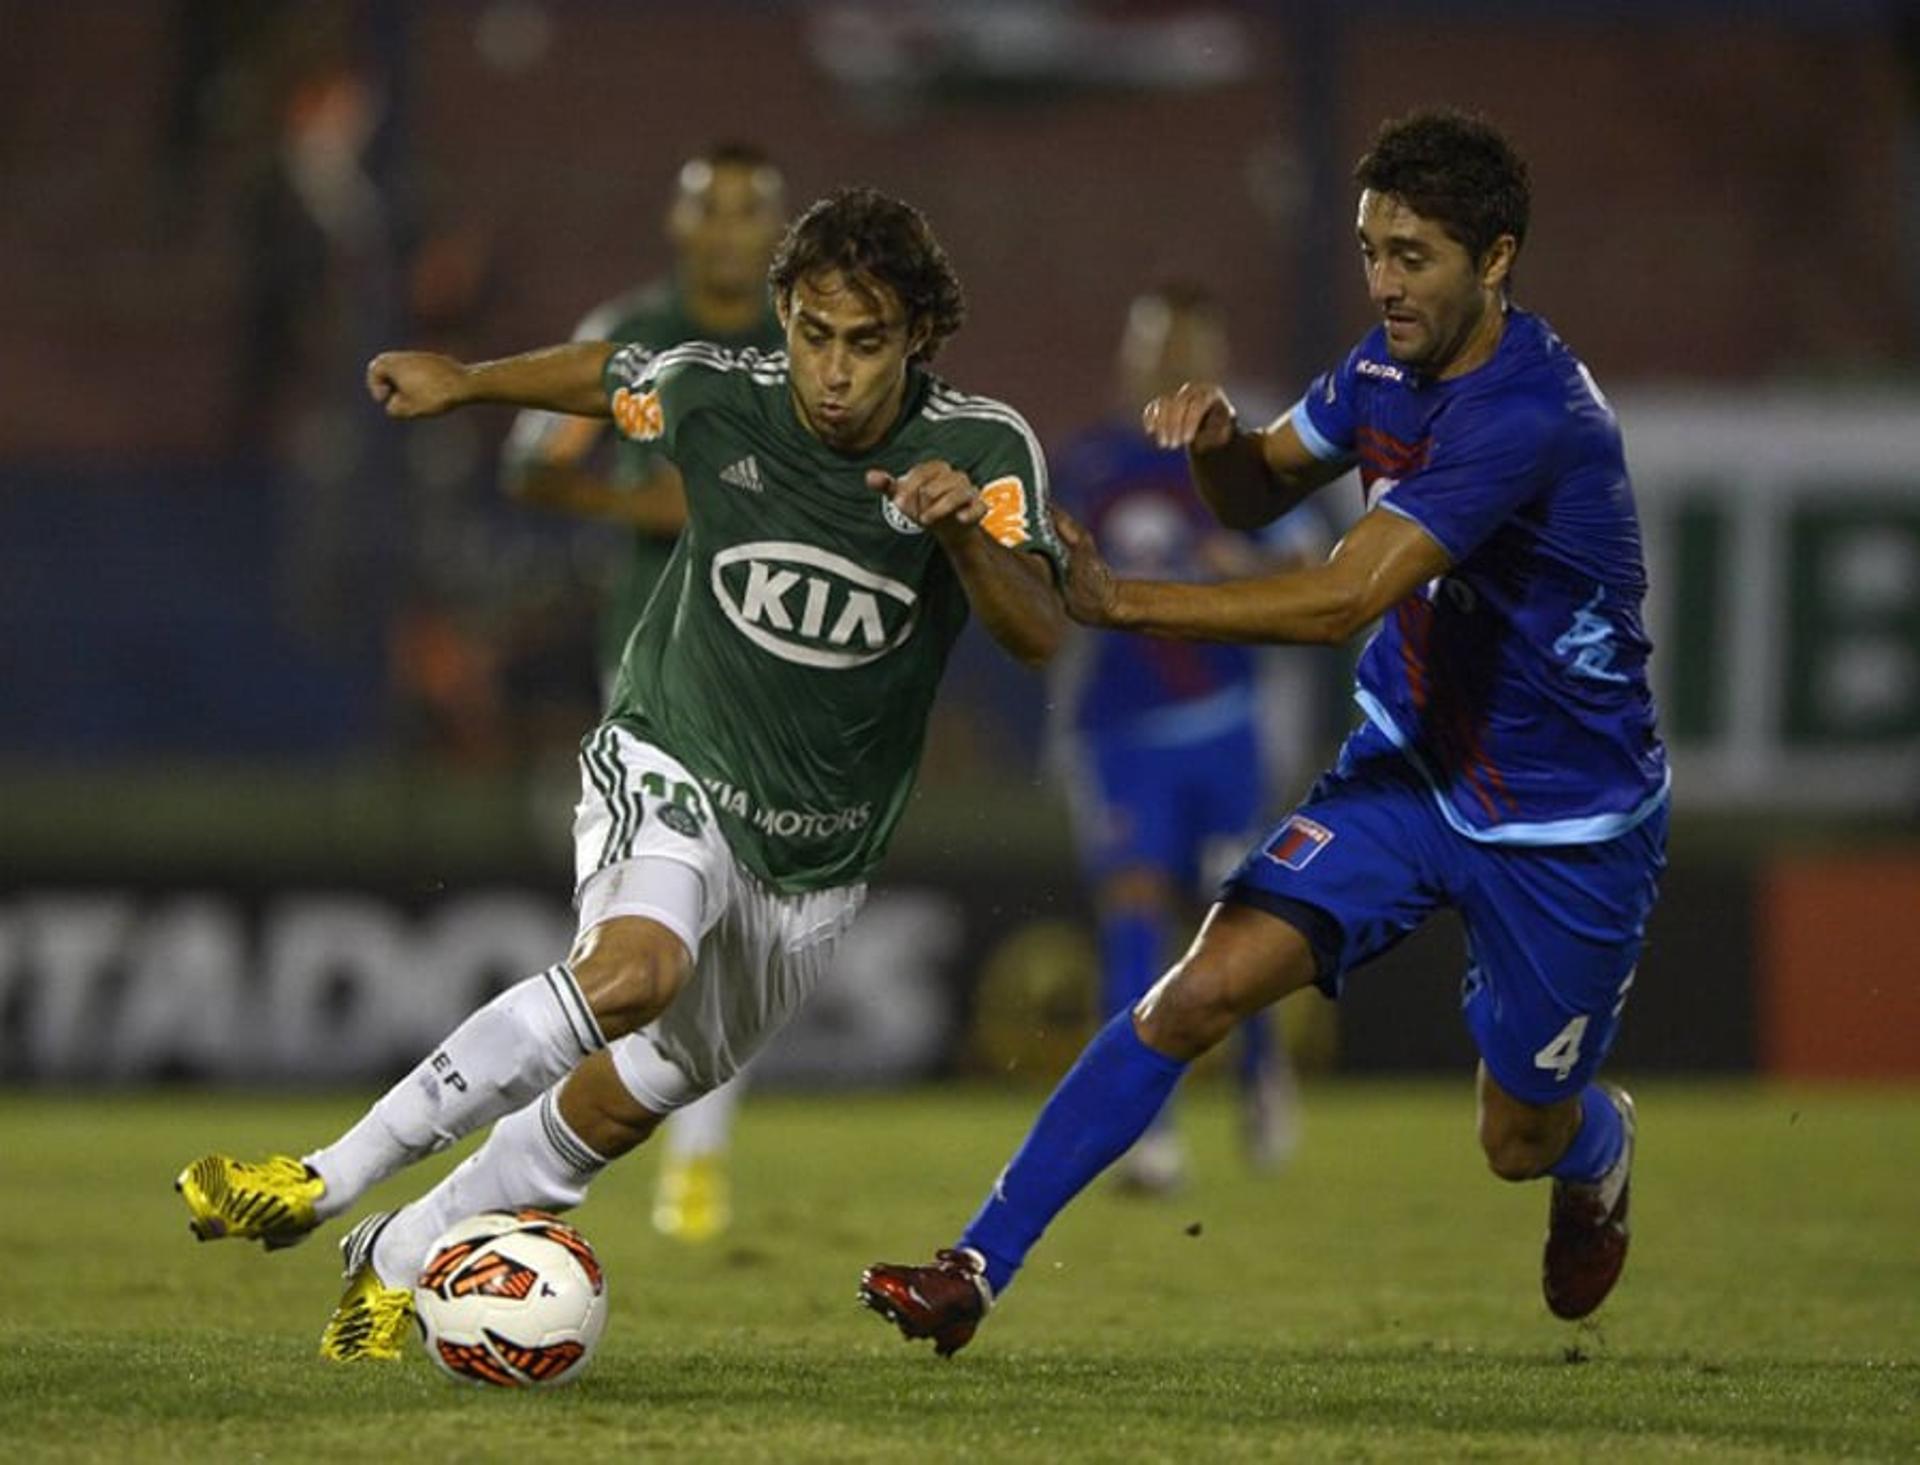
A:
[861,231]
[1455,169]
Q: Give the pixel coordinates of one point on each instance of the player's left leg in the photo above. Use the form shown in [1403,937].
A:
[1242,960]
[1553,938]
[1328,889]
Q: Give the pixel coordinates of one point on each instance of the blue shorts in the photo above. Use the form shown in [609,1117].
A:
[1553,932]
[1161,805]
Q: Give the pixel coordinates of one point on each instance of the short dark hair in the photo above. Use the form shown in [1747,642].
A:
[861,231]
[1458,170]
[735,153]
[696,174]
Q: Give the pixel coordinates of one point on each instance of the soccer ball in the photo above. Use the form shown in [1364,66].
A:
[515,1299]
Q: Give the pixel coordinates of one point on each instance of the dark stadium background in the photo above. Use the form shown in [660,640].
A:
[288,696]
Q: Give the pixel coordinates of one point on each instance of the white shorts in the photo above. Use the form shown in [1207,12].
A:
[757,954]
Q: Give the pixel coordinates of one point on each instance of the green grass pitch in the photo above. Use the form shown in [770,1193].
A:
[1377,1300]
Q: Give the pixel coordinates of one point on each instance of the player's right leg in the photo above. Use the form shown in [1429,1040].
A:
[1555,934]
[622,973]
[753,969]
[652,880]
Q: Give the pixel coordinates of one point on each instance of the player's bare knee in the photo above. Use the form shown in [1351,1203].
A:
[1242,960]
[1187,1011]
[629,969]
[1521,1139]
[1509,1156]
[598,1107]
[1519,1143]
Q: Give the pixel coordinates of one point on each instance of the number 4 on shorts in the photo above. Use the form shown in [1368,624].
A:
[1564,1051]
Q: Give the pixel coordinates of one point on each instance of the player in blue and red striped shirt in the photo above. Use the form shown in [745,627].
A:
[1506,764]
[1166,763]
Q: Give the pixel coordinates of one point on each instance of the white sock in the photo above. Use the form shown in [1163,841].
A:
[532,1158]
[516,1046]
[704,1126]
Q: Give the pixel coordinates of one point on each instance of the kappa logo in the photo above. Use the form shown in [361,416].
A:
[810,606]
[1381,369]
[743,474]
[1298,842]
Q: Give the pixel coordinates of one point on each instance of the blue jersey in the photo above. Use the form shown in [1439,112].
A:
[1150,524]
[1517,682]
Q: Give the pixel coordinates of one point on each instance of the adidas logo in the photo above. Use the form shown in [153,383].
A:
[743,474]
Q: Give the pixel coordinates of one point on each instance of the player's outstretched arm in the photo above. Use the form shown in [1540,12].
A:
[558,379]
[1382,560]
[1247,478]
[1010,591]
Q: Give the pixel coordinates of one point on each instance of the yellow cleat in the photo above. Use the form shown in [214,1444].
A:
[271,1202]
[371,1320]
[690,1202]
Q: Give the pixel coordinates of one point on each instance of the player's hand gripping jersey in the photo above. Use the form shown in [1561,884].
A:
[1517,683]
[793,654]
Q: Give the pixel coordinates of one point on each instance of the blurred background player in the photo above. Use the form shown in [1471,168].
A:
[1168,772]
[726,214]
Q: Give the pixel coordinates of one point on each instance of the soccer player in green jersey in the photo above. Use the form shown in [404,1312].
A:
[846,511]
[728,208]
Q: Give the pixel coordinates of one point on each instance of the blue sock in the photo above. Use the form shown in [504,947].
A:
[1256,1050]
[1130,947]
[1596,1144]
[1101,1107]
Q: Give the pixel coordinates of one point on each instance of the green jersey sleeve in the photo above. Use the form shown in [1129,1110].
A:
[1009,467]
[654,393]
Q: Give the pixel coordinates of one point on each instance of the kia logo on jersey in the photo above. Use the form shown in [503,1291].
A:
[810,606]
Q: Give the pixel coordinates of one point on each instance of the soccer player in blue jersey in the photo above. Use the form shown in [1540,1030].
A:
[1506,764]
[1160,739]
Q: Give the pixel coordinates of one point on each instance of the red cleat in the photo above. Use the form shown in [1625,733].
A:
[944,1301]
[1587,1231]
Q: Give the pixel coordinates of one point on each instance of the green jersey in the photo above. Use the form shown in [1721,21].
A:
[654,316]
[793,653]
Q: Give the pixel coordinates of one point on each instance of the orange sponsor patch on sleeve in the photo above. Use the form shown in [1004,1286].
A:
[1006,519]
[638,415]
